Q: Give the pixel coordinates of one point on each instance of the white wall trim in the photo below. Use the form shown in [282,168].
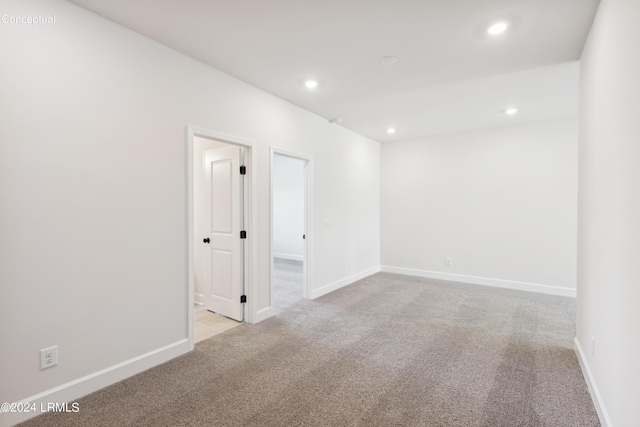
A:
[486,281]
[263,314]
[307,257]
[292,257]
[251,222]
[95,381]
[267,312]
[343,282]
[591,383]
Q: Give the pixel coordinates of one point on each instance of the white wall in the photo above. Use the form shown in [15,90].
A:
[93,184]
[501,203]
[609,212]
[288,207]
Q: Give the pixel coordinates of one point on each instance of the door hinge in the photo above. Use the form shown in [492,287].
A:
[243,298]
[243,170]
[243,234]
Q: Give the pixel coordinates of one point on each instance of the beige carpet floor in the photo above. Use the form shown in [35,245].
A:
[287,284]
[388,350]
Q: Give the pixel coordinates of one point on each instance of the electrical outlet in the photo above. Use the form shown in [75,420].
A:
[48,357]
[448,261]
[593,347]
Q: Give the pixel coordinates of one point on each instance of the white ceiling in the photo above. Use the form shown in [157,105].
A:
[449,75]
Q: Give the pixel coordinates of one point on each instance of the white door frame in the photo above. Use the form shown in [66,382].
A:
[250,222]
[308,220]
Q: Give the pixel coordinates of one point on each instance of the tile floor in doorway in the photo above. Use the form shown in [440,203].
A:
[208,324]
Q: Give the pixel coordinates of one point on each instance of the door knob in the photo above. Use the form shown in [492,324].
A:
[206,240]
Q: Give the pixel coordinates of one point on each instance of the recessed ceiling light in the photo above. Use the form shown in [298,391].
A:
[311,84]
[498,28]
[389,60]
[391,130]
[511,111]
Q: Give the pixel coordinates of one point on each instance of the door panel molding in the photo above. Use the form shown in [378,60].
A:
[223,206]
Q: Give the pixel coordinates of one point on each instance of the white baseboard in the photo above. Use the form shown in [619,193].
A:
[267,312]
[198,298]
[591,383]
[497,283]
[315,293]
[262,314]
[76,389]
[288,256]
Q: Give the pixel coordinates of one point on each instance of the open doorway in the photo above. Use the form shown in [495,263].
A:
[290,237]
[219,229]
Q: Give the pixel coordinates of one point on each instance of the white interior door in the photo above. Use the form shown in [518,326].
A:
[223,259]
